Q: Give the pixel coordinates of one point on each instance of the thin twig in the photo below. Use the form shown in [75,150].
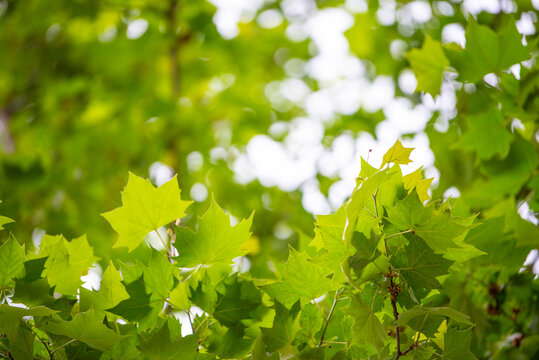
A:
[64,344]
[42,341]
[400,233]
[169,254]
[319,309]
[393,290]
[329,317]
[374,199]
[190,321]
[374,216]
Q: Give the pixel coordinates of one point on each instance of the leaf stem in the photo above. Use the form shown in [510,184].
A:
[42,341]
[329,317]
[374,196]
[190,321]
[64,344]
[374,216]
[400,233]
[169,254]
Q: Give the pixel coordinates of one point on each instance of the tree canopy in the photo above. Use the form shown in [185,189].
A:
[307,179]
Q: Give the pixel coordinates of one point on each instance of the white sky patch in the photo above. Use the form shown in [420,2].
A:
[407,81]
[297,10]
[379,94]
[526,23]
[92,281]
[199,192]
[160,173]
[231,12]
[183,317]
[136,29]
[158,239]
[270,19]
[476,6]
[454,33]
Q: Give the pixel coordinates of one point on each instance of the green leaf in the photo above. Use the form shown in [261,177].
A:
[233,344]
[419,266]
[110,294]
[137,306]
[3,221]
[239,301]
[360,198]
[488,52]
[486,135]
[310,319]
[145,209]
[414,181]
[438,230]
[160,346]
[66,262]
[285,327]
[302,279]
[428,64]
[329,236]
[422,313]
[86,327]
[12,256]
[10,317]
[22,347]
[159,275]
[397,154]
[179,296]
[366,170]
[215,241]
[367,327]
[457,344]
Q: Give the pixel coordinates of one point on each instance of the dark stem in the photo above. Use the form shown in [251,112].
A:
[329,318]
[174,49]
[393,291]
[43,342]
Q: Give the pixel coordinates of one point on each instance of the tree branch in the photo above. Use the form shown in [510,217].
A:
[329,317]
[394,292]
[173,52]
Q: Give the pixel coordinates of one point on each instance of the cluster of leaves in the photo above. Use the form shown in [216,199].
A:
[77,86]
[373,283]
[490,154]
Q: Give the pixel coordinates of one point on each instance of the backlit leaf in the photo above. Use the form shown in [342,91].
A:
[145,209]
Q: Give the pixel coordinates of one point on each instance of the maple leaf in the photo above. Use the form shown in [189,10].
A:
[414,181]
[66,262]
[302,279]
[397,154]
[12,256]
[428,64]
[215,240]
[145,209]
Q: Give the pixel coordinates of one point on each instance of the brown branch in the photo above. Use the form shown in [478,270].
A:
[174,49]
[394,292]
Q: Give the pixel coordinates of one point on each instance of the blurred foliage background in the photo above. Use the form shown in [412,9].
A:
[90,90]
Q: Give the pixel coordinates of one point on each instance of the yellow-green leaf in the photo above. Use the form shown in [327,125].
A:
[397,154]
[145,209]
